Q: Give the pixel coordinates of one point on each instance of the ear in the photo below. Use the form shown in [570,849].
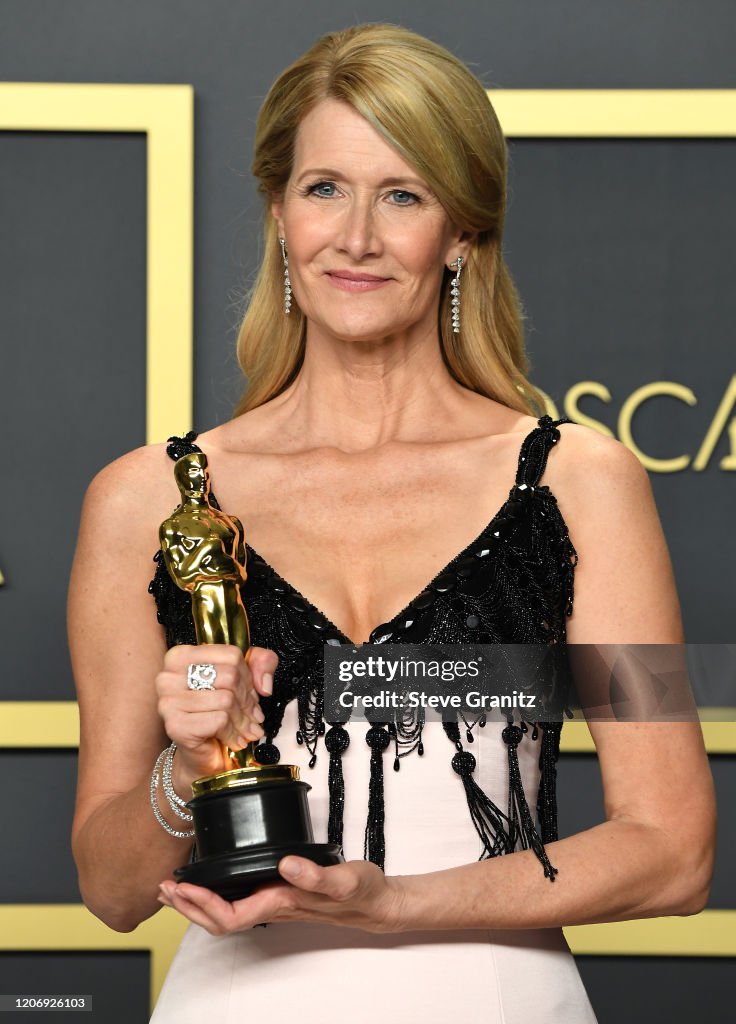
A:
[277,204]
[460,245]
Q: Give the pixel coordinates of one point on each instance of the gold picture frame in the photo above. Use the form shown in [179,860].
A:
[165,114]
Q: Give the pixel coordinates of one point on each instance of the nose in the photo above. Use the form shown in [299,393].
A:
[358,236]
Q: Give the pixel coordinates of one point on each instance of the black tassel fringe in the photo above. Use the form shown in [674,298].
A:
[374,848]
[520,820]
[337,742]
[490,822]
[547,799]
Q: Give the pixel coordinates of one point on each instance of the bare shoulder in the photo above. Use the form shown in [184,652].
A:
[134,492]
[624,582]
[584,463]
[588,467]
[141,479]
[118,536]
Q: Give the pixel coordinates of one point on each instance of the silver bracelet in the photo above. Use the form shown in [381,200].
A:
[155,778]
[175,801]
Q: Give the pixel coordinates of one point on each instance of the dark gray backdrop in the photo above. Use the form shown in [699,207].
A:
[622,251]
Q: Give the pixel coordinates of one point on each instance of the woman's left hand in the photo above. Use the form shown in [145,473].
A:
[356,894]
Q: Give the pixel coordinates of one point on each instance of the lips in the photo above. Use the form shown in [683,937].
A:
[347,275]
[349,281]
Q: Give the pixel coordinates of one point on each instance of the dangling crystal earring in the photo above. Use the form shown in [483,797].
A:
[455,292]
[287,282]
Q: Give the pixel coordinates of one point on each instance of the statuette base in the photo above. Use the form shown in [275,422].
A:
[236,875]
[245,821]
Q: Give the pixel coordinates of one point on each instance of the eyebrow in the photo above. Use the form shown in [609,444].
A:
[327,172]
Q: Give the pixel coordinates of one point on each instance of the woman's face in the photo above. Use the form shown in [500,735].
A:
[366,239]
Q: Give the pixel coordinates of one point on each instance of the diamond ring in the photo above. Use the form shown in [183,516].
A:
[201,677]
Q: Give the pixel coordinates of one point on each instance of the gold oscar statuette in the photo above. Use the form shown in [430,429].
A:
[248,817]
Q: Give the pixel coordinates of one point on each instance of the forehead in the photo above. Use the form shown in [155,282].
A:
[334,133]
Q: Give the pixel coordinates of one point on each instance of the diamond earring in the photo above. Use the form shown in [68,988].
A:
[455,292]
[287,282]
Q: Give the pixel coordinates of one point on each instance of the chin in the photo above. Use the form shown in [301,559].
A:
[352,331]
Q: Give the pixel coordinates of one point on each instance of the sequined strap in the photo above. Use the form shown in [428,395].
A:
[178,446]
[535,449]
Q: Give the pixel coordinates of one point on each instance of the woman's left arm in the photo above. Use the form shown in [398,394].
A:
[653,855]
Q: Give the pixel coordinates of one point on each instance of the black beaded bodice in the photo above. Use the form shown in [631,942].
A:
[513,584]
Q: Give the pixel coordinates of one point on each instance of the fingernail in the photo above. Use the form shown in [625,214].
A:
[166,890]
[291,867]
[267,683]
[258,714]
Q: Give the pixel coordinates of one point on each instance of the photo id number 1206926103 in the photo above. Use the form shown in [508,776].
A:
[43,1001]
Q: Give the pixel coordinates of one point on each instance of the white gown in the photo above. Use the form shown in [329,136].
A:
[320,974]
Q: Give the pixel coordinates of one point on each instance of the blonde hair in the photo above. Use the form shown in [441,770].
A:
[436,114]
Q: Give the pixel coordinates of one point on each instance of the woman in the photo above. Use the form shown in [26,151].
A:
[387,411]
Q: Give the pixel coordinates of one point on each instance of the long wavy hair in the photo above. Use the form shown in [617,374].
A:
[426,104]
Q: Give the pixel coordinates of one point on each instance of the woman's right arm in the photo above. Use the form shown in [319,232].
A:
[133,697]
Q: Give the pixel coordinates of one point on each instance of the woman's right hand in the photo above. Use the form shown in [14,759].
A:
[200,722]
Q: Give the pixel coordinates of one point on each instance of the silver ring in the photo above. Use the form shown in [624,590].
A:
[201,677]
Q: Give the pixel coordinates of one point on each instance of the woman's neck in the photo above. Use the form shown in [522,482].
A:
[357,395]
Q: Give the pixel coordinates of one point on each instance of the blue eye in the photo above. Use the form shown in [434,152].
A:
[403,198]
[318,189]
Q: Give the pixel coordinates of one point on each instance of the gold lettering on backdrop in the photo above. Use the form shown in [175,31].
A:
[587,387]
[632,403]
[729,461]
[670,388]
[716,429]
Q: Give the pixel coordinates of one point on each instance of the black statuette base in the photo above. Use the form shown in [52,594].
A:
[236,875]
[242,832]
